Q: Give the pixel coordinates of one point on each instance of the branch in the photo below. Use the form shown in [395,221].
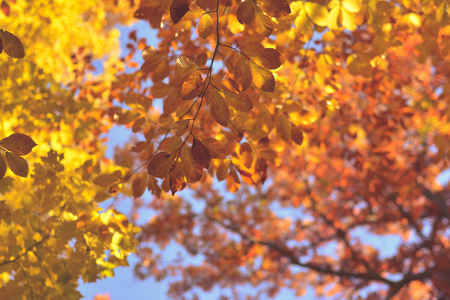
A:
[436,200]
[26,251]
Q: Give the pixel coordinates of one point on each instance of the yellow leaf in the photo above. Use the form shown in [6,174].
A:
[348,19]
[242,74]
[334,18]
[317,13]
[194,12]
[245,12]
[275,8]
[302,22]
[262,78]
[184,66]
[18,143]
[218,107]
[160,164]
[205,26]
[17,164]
[352,5]
[262,23]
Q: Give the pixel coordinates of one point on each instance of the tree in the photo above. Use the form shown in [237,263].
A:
[333,111]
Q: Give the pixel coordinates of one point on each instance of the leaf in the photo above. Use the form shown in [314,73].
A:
[201,154]
[17,164]
[106,180]
[297,135]
[262,23]
[160,164]
[201,59]
[266,57]
[222,170]
[275,8]
[144,12]
[242,74]
[284,128]
[12,44]
[317,13]
[5,9]
[353,6]
[3,167]
[18,143]
[245,12]
[191,169]
[178,9]
[139,185]
[184,66]
[172,101]
[216,149]
[192,87]
[194,12]
[218,107]
[205,26]
[160,89]
[101,196]
[262,78]
[180,127]
[240,102]
[176,178]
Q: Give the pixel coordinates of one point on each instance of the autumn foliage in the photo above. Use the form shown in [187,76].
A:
[274,141]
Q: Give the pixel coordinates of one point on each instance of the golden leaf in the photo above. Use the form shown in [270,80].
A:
[176,178]
[191,169]
[139,185]
[262,78]
[240,102]
[218,107]
[242,74]
[180,127]
[205,26]
[275,8]
[262,23]
[192,87]
[317,13]
[245,12]
[216,149]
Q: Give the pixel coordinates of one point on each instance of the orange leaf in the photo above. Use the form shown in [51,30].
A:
[17,164]
[262,23]
[178,9]
[205,26]
[201,60]
[216,149]
[6,10]
[266,57]
[18,143]
[160,164]
[240,102]
[218,107]
[184,66]
[172,101]
[180,127]
[192,87]
[201,154]
[194,12]
[242,74]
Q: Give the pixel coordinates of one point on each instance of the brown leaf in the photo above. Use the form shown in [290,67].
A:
[216,149]
[17,164]
[201,60]
[101,196]
[3,166]
[176,178]
[218,107]
[245,12]
[12,44]
[172,101]
[275,8]
[160,164]
[242,74]
[180,127]
[106,180]
[191,169]
[139,185]
[240,102]
[178,9]
[18,143]
[205,26]
[297,135]
[144,12]
[201,154]
[283,128]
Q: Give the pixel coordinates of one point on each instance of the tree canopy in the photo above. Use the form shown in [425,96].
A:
[271,140]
